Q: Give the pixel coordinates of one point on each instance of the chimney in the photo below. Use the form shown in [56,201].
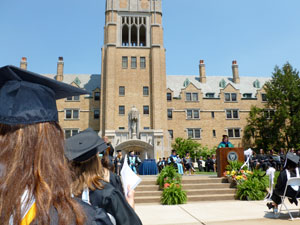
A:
[202,72]
[23,63]
[60,69]
[235,72]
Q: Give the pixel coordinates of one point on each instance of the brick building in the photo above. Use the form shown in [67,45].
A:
[137,105]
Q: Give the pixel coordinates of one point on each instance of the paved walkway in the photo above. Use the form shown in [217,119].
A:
[213,213]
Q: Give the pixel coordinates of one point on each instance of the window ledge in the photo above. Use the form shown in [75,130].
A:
[72,119]
[232,118]
[235,137]
[193,119]
[72,101]
[191,101]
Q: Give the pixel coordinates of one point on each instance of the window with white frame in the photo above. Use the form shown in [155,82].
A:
[73,98]
[97,96]
[234,132]
[230,97]
[96,113]
[143,62]
[169,96]
[121,91]
[264,97]
[171,134]
[189,96]
[69,132]
[170,113]
[232,114]
[192,114]
[124,62]
[146,110]
[71,114]
[194,133]
[269,113]
[133,62]
[145,91]
[121,110]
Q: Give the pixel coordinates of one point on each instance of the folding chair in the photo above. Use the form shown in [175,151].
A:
[271,173]
[293,181]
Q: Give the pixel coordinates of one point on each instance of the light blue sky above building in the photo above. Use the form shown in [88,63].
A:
[258,34]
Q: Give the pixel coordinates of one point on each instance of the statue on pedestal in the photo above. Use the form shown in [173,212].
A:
[133,118]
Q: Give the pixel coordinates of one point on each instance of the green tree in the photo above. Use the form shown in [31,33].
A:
[282,128]
[183,146]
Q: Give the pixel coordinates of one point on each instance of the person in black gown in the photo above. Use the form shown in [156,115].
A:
[83,151]
[290,170]
[119,161]
[32,162]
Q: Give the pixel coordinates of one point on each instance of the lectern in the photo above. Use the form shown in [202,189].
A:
[224,155]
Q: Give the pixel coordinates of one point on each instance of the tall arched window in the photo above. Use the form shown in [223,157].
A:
[142,35]
[125,35]
[134,35]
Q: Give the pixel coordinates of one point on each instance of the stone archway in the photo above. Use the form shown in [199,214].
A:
[140,147]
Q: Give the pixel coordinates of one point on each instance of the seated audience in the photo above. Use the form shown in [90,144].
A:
[209,164]
[175,160]
[201,164]
[188,164]
[262,160]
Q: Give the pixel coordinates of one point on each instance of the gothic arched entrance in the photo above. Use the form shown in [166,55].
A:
[141,148]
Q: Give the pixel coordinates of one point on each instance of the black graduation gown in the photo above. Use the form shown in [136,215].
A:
[114,202]
[115,181]
[280,187]
[94,216]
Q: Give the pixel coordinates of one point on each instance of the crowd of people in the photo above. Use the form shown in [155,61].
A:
[45,179]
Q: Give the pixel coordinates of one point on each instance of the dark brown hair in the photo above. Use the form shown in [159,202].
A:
[32,159]
[87,174]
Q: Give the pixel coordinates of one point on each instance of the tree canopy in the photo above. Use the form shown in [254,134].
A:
[278,123]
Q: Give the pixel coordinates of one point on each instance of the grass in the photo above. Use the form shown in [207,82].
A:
[205,173]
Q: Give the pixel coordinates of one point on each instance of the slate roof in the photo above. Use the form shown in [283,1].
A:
[87,81]
[177,82]
[246,85]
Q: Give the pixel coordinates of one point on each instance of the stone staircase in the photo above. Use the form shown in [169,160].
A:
[198,188]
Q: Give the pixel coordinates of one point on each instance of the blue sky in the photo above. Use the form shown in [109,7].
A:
[259,34]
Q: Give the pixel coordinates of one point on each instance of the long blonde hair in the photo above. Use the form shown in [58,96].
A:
[32,159]
[87,174]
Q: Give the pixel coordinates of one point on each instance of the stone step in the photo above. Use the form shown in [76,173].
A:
[204,181]
[218,197]
[148,199]
[147,188]
[147,193]
[205,186]
[148,182]
[210,192]
[193,198]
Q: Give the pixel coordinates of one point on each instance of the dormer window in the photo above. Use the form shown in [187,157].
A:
[247,95]
[256,84]
[210,95]
[222,83]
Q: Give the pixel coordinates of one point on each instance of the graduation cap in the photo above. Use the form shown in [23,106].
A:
[84,145]
[28,98]
[291,158]
[119,150]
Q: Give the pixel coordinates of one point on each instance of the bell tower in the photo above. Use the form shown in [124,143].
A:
[134,71]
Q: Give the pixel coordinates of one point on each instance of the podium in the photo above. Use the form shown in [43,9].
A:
[228,154]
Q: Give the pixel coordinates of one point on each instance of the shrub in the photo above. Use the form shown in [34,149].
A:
[235,165]
[168,175]
[254,188]
[173,195]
